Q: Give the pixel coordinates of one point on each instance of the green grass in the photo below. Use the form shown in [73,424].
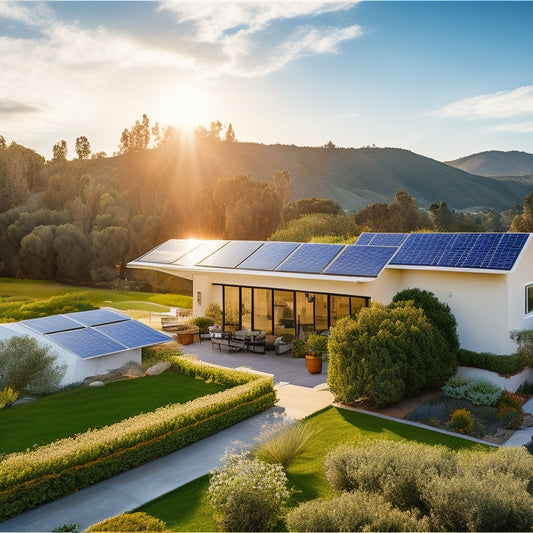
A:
[24,291]
[74,411]
[187,508]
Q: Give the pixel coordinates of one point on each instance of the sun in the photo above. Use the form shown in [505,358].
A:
[185,108]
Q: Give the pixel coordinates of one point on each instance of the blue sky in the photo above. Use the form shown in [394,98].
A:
[443,79]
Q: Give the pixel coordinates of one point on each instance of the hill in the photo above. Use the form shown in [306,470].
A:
[496,164]
[352,177]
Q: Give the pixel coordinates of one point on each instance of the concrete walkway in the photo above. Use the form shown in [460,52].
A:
[144,483]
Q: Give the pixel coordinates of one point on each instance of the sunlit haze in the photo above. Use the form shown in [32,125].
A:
[443,79]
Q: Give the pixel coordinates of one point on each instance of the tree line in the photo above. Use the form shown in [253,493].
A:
[81,221]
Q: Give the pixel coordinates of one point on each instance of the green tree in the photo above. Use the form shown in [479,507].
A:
[28,366]
[386,354]
[59,151]
[308,206]
[230,134]
[137,139]
[441,217]
[83,147]
[3,144]
[524,221]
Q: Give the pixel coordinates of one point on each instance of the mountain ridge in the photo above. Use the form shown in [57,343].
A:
[511,164]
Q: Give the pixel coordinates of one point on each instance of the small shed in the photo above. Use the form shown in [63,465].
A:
[89,343]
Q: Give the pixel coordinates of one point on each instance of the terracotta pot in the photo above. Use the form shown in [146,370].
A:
[313,364]
[185,338]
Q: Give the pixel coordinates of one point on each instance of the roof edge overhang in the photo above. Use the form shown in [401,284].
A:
[449,269]
[189,271]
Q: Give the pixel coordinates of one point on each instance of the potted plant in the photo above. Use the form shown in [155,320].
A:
[299,348]
[317,347]
[186,333]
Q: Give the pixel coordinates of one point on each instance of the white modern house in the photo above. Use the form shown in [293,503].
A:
[485,278]
[89,343]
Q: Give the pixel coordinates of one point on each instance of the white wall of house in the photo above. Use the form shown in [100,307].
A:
[511,383]
[522,276]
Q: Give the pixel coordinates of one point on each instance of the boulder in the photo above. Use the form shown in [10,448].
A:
[158,368]
[96,384]
[131,370]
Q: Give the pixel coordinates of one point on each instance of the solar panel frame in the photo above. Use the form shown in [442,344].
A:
[310,258]
[269,256]
[230,255]
[133,334]
[87,342]
[364,261]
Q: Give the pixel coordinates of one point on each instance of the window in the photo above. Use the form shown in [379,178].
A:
[529,298]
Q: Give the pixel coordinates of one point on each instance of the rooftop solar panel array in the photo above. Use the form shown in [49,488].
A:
[96,333]
[485,251]
[170,251]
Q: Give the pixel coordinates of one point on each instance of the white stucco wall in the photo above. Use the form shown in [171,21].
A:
[511,383]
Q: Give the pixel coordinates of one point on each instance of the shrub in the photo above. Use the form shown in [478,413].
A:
[28,366]
[396,470]
[282,444]
[355,511]
[129,522]
[202,323]
[437,312]
[461,421]
[214,312]
[299,348]
[505,365]
[317,344]
[152,355]
[510,412]
[8,397]
[247,494]
[479,392]
[73,527]
[386,354]
[489,501]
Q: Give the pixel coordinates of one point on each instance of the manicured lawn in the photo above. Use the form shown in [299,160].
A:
[187,508]
[74,411]
[24,291]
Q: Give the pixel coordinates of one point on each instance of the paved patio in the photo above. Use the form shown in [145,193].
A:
[284,368]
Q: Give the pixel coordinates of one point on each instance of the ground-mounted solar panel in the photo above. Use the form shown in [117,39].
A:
[133,334]
[230,255]
[87,342]
[388,239]
[364,239]
[98,316]
[269,255]
[310,258]
[201,252]
[366,261]
[51,324]
[169,251]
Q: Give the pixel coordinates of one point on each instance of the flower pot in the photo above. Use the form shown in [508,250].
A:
[186,337]
[313,364]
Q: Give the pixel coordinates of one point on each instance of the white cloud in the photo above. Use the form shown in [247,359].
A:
[502,104]
[515,127]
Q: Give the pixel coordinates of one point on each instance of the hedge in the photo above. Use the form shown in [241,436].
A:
[49,472]
[505,365]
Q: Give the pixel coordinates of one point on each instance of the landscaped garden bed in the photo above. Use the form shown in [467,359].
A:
[42,474]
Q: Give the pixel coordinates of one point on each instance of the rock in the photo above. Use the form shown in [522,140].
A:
[131,370]
[96,384]
[158,368]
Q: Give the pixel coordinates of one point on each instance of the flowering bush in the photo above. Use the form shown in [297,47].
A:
[247,494]
[461,420]
[8,397]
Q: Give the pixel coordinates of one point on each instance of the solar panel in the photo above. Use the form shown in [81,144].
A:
[388,239]
[87,342]
[489,251]
[200,253]
[133,334]
[310,258]
[364,238]
[361,261]
[169,251]
[269,256]
[231,255]
[97,316]
[50,324]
